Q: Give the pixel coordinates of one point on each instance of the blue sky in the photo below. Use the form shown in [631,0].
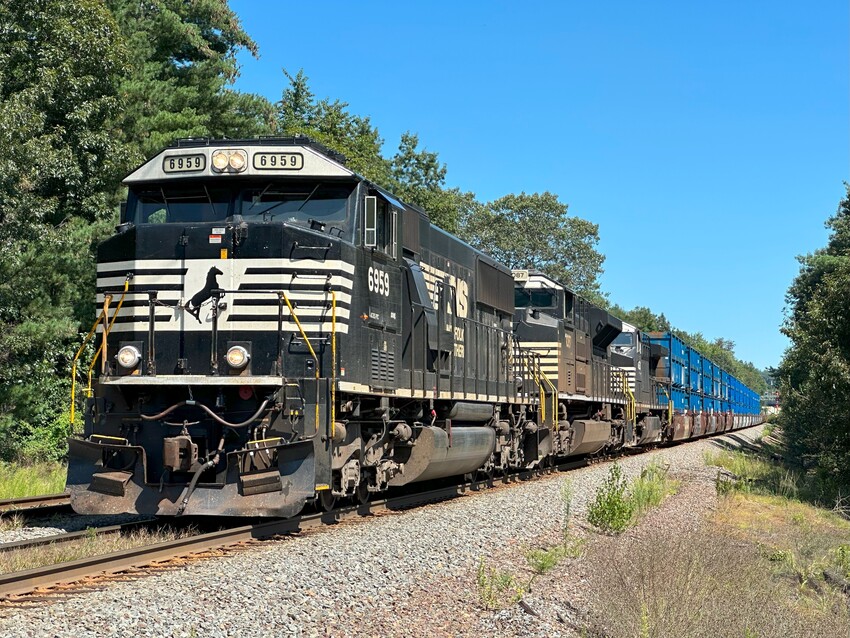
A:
[709,141]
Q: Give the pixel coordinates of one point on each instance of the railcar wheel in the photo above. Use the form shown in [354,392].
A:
[326,500]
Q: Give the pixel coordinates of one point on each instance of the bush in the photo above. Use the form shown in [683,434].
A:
[612,508]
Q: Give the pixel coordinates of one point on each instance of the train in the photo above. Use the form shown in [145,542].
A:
[276,331]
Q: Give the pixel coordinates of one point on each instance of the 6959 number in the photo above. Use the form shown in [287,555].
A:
[379,281]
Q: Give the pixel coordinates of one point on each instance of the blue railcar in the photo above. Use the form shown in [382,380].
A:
[673,366]
[695,370]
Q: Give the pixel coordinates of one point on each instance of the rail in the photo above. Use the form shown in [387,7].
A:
[42,504]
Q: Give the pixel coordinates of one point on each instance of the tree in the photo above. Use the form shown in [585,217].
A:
[58,90]
[183,59]
[419,178]
[815,372]
[642,317]
[534,231]
[330,123]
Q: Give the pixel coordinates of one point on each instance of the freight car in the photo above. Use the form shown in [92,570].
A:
[276,330]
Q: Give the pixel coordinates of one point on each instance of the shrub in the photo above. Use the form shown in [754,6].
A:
[612,508]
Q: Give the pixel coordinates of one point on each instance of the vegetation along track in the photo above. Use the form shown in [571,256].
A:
[18,586]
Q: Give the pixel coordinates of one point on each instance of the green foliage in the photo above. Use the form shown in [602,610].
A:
[815,373]
[643,318]
[497,589]
[612,509]
[183,59]
[536,232]
[330,123]
[59,64]
[650,488]
[618,504]
[419,179]
[31,479]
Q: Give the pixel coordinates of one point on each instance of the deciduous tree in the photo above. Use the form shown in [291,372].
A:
[535,231]
[815,372]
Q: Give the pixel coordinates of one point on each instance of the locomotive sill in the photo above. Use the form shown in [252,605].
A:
[188,379]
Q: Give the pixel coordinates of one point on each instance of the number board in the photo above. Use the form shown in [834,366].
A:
[184,163]
[278,161]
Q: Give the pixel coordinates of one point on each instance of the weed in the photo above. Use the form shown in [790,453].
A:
[544,559]
[618,504]
[18,480]
[650,488]
[567,501]
[12,521]
[498,589]
[611,509]
[841,557]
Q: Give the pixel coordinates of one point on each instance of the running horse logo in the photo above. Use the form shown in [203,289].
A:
[198,299]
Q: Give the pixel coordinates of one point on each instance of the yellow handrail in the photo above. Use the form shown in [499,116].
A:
[309,346]
[107,328]
[554,399]
[542,396]
[631,406]
[333,363]
[669,405]
[74,366]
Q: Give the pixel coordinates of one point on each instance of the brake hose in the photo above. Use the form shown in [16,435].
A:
[167,411]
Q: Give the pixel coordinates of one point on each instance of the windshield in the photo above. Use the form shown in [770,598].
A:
[533,298]
[295,202]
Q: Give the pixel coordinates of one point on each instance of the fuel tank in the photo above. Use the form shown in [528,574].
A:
[436,455]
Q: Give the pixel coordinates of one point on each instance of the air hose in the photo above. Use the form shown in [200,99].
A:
[197,475]
[167,411]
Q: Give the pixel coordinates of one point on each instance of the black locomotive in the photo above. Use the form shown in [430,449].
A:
[276,330]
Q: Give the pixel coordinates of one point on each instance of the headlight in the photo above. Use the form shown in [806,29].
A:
[219,160]
[227,161]
[237,161]
[129,357]
[237,357]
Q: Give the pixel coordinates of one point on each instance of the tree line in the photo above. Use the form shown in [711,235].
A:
[814,376]
[90,88]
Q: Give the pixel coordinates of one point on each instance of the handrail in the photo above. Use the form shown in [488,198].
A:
[631,413]
[554,399]
[74,366]
[669,404]
[107,329]
[309,347]
[101,317]
[333,363]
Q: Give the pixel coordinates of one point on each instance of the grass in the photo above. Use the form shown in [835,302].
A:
[618,505]
[544,559]
[498,589]
[91,545]
[800,541]
[37,479]
[704,584]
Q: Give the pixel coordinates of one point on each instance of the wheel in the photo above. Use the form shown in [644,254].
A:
[326,500]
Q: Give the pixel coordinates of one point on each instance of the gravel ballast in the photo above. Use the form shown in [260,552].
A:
[411,573]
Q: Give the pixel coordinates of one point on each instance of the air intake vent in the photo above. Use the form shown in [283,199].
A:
[383,369]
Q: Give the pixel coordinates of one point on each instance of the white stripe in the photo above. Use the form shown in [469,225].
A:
[248,326]
[164,264]
[173,296]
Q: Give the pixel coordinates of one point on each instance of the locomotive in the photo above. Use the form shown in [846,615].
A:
[276,330]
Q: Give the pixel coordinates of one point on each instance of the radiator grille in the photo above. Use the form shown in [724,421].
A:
[383,369]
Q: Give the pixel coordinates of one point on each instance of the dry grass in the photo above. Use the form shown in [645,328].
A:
[92,545]
[706,584]
[37,479]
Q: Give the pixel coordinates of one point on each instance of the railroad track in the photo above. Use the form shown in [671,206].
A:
[40,505]
[16,584]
